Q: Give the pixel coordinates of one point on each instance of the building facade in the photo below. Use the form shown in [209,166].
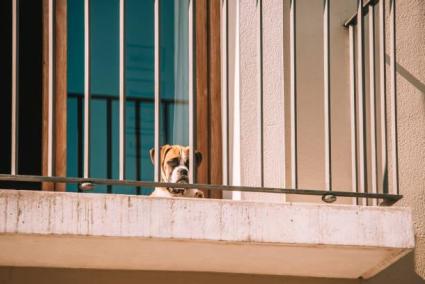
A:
[244,86]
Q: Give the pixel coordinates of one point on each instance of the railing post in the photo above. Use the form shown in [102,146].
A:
[372,104]
[383,97]
[294,159]
[87,84]
[260,90]
[225,89]
[157,106]
[80,125]
[192,95]
[14,163]
[393,73]
[353,113]
[109,141]
[361,97]
[138,143]
[51,86]
[327,96]
[122,91]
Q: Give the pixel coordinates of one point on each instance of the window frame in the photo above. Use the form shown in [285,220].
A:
[208,92]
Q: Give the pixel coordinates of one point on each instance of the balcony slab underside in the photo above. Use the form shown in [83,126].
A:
[99,231]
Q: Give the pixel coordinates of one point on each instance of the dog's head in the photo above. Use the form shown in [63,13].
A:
[174,161]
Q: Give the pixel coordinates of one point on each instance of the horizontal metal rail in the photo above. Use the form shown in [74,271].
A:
[130,99]
[388,198]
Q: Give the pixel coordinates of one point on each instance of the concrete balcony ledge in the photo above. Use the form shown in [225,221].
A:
[99,231]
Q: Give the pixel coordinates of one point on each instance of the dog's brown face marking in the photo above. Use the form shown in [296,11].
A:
[174,161]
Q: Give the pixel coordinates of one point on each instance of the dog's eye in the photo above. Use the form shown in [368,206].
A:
[186,163]
[173,162]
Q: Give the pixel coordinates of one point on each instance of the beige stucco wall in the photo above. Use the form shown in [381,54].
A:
[411,106]
[411,94]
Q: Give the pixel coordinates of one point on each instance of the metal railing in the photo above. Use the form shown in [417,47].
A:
[109,102]
[356,25]
[360,190]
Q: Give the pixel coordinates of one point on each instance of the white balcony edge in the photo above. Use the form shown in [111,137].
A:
[279,233]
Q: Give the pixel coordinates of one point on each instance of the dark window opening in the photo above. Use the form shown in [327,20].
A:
[30,90]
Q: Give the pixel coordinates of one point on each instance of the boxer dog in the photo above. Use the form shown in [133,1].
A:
[175,166]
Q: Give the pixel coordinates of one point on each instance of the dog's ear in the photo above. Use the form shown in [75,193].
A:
[152,154]
[162,150]
[198,158]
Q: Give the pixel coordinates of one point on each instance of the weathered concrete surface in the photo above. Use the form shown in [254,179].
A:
[71,230]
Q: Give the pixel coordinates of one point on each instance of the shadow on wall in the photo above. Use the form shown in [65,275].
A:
[408,76]
[11,275]
[401,272]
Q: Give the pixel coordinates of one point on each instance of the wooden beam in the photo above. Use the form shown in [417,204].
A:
[214,78]
[208,89]
[60,92]
[202,108]
[45,103]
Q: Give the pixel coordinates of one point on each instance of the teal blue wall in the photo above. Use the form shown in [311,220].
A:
[139,83]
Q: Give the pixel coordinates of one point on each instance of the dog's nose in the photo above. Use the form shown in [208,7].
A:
[183,172]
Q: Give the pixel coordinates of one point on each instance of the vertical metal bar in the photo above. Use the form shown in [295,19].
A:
[383,81]
[15,89]
[224,89]
[327,96]
[138,133]
[109,142]
[80,137]
[294,162]
[157,176]
[86,88]
[372,107]
[361,96]
[122,94]
[192,95]
[353,115]
[236,123]
[283,115]
[51,78]
[165,116]
[260,90]
[393,62]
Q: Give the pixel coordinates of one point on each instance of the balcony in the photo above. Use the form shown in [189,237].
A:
[118,232]
[262,223]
